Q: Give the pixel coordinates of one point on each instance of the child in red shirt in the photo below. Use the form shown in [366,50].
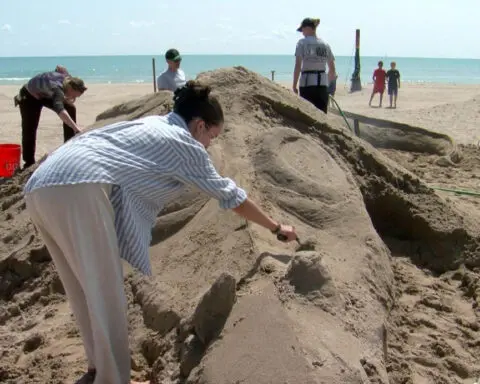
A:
[379,76]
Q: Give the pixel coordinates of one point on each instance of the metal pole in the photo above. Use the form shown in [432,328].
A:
[356,127]
[356,83]
[154,76]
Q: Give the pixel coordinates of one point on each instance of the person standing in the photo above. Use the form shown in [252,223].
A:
[173,77]
[393,76]
[55,90]
[312,55]
[378,78]
[95,200]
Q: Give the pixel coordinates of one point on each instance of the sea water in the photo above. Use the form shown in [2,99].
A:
[138,69]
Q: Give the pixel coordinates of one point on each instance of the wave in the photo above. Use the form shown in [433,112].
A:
[14,78]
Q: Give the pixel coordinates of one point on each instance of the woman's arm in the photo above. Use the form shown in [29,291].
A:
[298,65]
[58,105]
[252,212]
[296,73]
[332,72]
[195,168]
[65,117]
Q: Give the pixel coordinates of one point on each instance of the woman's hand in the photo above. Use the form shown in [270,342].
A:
[286,233]
[332,76]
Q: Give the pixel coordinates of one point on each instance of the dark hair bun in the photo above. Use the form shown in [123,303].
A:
[192,90]
[193,100]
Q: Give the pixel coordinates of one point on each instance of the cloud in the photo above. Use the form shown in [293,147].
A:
[141,23]
[255,35]
[63,21]
[6,27]
[280,34]
[225,27]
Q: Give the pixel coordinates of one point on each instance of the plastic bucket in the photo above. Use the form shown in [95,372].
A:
[9,159]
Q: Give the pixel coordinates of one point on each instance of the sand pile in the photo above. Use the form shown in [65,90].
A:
[388,294]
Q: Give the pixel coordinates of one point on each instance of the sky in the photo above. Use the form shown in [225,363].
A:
[402,28]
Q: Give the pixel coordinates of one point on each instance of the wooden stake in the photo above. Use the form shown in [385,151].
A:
[154,76]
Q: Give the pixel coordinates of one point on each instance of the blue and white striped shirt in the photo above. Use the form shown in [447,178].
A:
[149,161]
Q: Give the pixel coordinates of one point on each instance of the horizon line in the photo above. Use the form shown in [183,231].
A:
[233,54]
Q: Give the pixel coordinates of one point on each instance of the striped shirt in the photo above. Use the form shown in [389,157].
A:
[149,161]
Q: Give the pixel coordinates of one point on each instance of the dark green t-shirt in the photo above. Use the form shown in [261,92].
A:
[393,76]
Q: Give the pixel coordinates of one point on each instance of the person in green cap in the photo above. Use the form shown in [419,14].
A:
[173,77]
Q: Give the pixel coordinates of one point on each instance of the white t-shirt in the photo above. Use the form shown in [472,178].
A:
[171,80]
[315,54]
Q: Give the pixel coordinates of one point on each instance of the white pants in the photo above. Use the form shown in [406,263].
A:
[76,223]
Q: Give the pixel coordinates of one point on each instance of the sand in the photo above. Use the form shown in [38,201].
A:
[450,109]
[389,293]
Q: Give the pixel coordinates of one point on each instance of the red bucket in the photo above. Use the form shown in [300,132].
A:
[9,159]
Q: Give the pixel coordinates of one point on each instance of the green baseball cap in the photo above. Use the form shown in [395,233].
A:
[173,55]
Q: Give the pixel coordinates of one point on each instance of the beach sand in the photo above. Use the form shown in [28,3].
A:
[450,109]
[388,291]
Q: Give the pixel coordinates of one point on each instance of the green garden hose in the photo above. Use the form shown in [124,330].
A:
[457,191]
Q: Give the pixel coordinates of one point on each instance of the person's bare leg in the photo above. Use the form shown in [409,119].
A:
[395,101]
[391,100]
[371,98]
[381,99]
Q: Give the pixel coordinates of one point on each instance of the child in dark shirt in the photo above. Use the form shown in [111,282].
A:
[393,76]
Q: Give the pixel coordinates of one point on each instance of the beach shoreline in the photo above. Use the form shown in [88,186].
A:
[447,108]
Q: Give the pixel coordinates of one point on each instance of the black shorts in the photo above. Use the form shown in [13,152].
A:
[393,91]
[317,95]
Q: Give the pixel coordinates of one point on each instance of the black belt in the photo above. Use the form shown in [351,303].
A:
[319,76]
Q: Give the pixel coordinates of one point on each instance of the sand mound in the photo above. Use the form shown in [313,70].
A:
[388,294]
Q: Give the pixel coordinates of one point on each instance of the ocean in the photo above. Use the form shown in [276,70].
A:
[138,69]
